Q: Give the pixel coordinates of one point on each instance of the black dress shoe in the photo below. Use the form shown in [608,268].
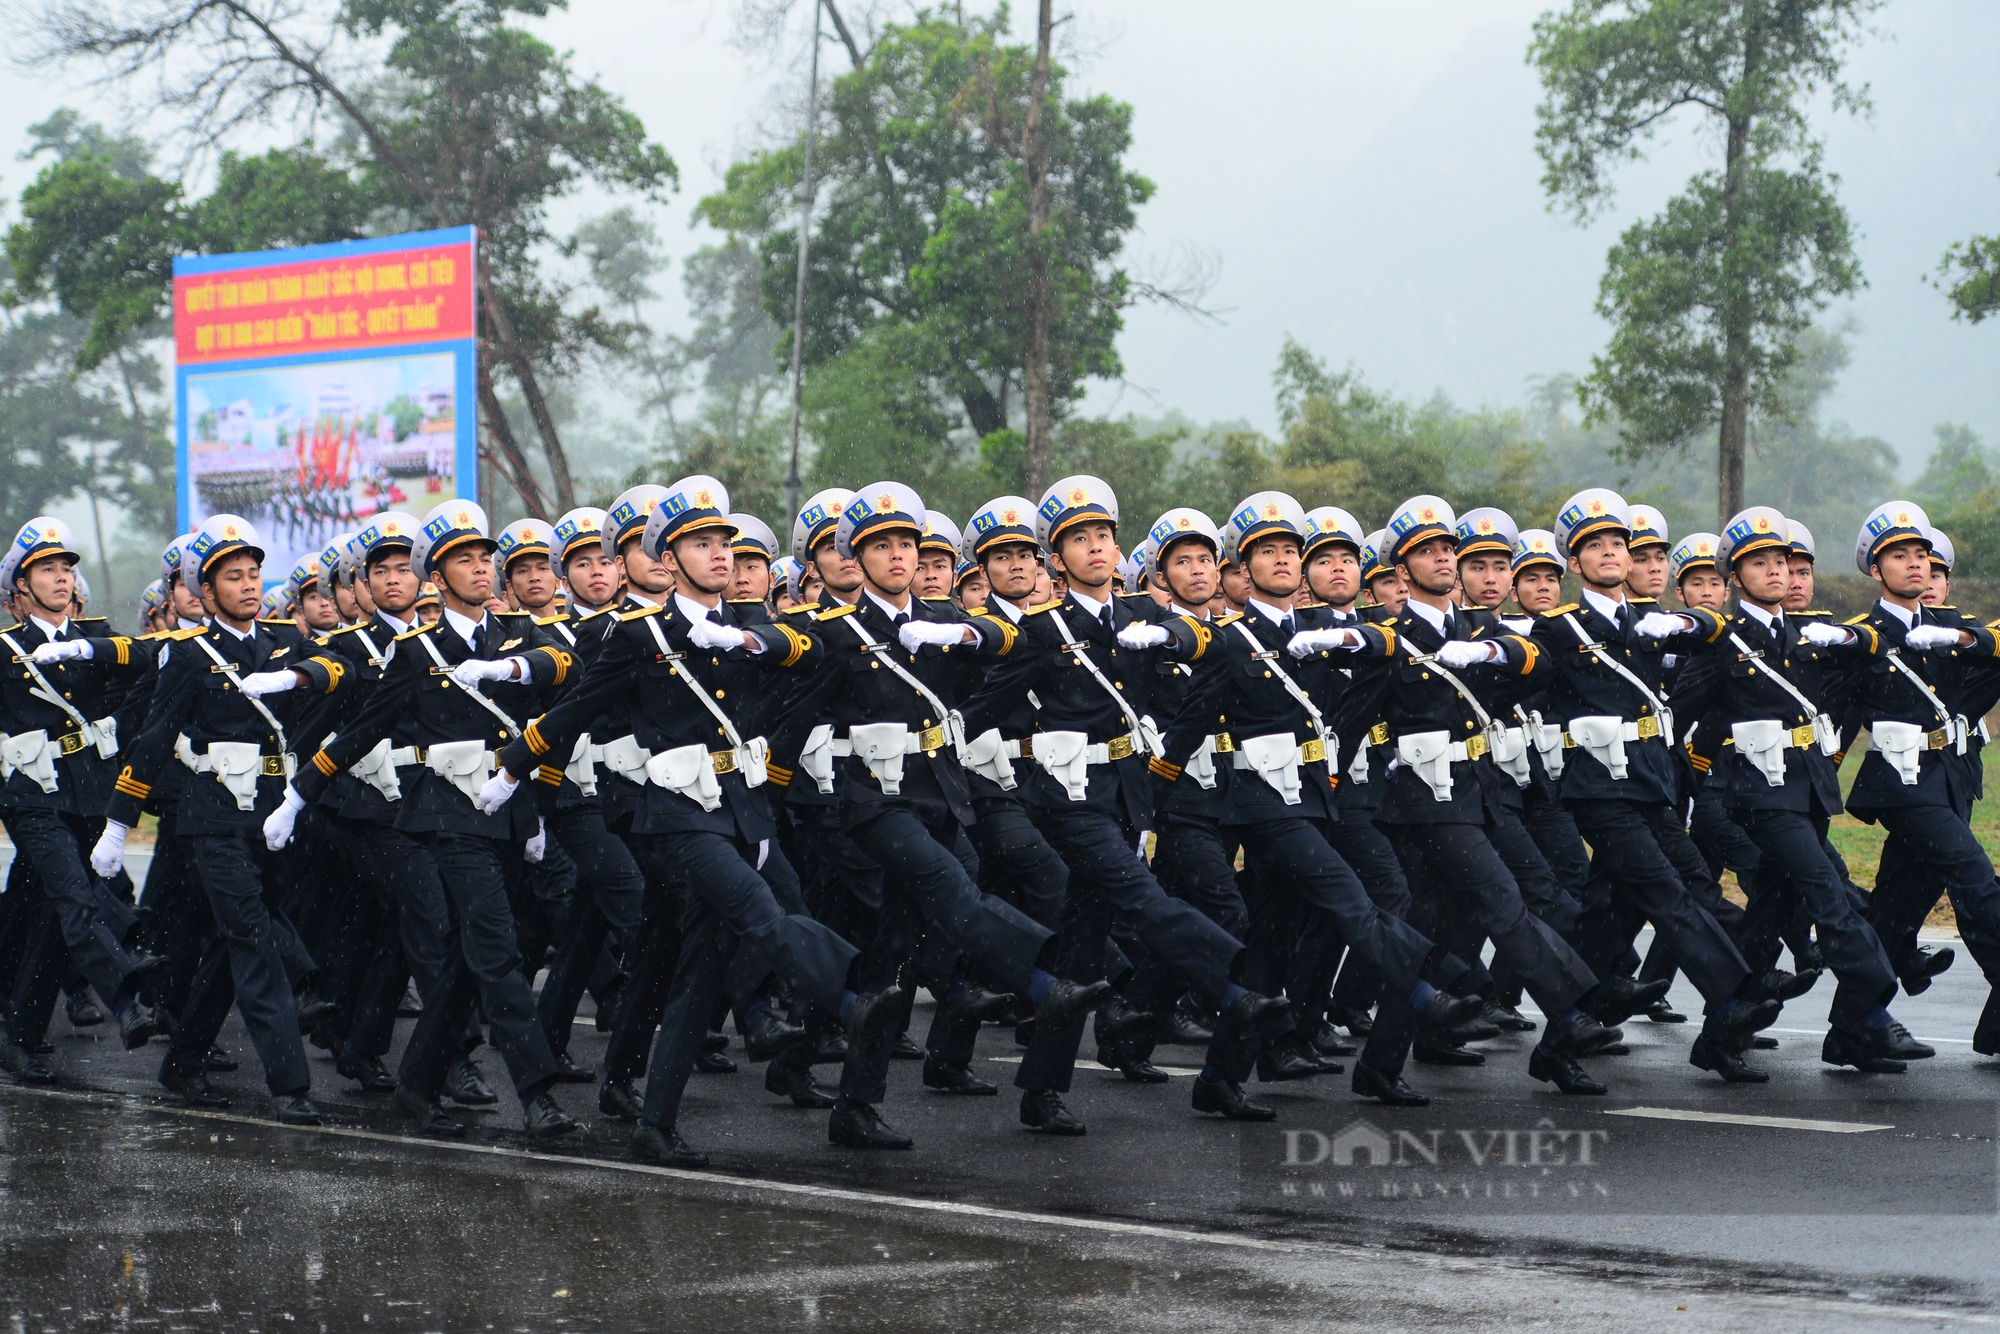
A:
[1564,1073]
[1386,1088]
[23,1064]
[831,1049]
[1507,1018]
[617,1100]
[1444,1010]
[796,1082]
[975,1004]
[191,1087]
[1252,1015]
[1867,1052]
[1285,1060]
[367,1071]
[314,1011]
[1125,1059]
[139,1025]
[1616,999]
[83,1011]
[1042,1109]
[1024,1031]
[430,1118]
[951,1077]
[1479,1030]
[1118,1019]
[768,1037]
[904,1048]
[1663,1012]
[327,1037]
[862,1127]
[650,1144]
[1781,986]
[295,1109]
[1583,1036]
[714,1063]
[1808,956]
[1185,1026]
[218,1061]
[1744,1018]
[1920,966]
[713,1041]
[1066,999]
[1762,1042]
[1708,1054]
[569,1071]
[1986,1033]
[463,1085]
[1439,1051]
[1326,1040]
[1227,1099]
[1358,1023]
[869,1018]
[1898,1043]
[545,1118]
[1615,1049]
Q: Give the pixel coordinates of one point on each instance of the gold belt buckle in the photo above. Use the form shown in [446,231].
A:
[1475,747]
[722,761]
[1027,747]
[71,744]
[1224,743]
[1938,739]
[931,740]
[1803,737]
[273,766]
[1648,726]
[1378,735]
[1569,742]
[1119,747]
[1312,752]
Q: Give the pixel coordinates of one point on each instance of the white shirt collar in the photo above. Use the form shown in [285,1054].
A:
[691,609]
[643,599]
[1275,615]
[1770,620]
[1908,618]
[1007,609]
[1089,604]
[465,625]
[890,609]
[1424,609]
[1178,610]
[397,623]
[223,625]
[186,624]
[51,628]
[1607,606]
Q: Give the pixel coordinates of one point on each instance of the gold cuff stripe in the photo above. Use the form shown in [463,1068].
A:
[324,763]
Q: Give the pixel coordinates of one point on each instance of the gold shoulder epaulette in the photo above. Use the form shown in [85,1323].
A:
[549,620]
[1812,611]
[190,632]
[640,614]
[599,612]
[342,630]
[979,611]
[99,620]
[1862,619]
[1046,606]
[1648,601]
[800,609]
[1227,618]
[834,613]
[941,597]
[1563,610]
[414,631]
[745,602]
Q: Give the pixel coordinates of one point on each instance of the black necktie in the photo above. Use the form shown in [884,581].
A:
[1287,628]
[479,640]
[1626,619]
[1450,624]
[1110,622]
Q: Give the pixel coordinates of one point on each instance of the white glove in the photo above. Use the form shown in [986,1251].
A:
[258,684]
[278,824]
[70,648]
[1465,653]
[537,847]
[1140,634]
[498,791]
[1662,625]
[707,634]
[1818,632]
[474,670]
[1921,638]
[1308,642]
[916,634]
[109,854]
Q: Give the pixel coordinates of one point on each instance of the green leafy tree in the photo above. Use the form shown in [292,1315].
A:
[1960,489]
[1970,276]
[1709,299]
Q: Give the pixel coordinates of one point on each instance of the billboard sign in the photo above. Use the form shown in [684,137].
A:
[319,386]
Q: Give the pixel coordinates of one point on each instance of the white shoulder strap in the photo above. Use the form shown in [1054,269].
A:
[229,671]
[1270,659]
[1596,650]
[880,650]
[1798,695]
[694,686]
[1451,679]
[1895,658]
[1076,646]
[445,668]
[44,690]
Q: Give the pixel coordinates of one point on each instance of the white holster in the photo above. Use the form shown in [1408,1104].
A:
[1066,757]
[378,768]
[626,758]
[1762,741]
[6,764]
[1357,768]
[816,760]
[690,771]
[1201,765]
[882,746]
[1509,748]
[582,768]
[1903,746]
[1429,755]
[237,765]
[107,736]
[1603,738]
[1548,739]
[993,759]
[30,753]
[466,765]
[1275,759]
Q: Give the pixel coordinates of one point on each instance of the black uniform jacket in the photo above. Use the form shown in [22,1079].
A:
[92,686]
[1944,777]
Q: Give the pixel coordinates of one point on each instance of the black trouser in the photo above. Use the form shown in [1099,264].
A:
[1651,868]
[652,960]
[608,905]
[405,869]
[94,921]
[482,968]
[1935,849]
[246,965]
[1554,830]
[1793,843]
[1194,864]
[1015,862]
[1364,847]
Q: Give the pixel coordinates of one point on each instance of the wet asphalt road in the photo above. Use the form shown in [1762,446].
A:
[1867,1201]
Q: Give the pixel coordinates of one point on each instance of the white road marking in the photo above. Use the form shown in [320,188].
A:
[1739,1119]
[1093,1065]
[1820,1033]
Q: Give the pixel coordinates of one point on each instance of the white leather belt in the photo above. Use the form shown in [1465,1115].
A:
[582,768]
[378,767]
[466,765]
[1068,756]
[693,771]
[1764,741]
[1430,756]
[237,765]
[1903,744]
[1277,759]
[1603,737]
